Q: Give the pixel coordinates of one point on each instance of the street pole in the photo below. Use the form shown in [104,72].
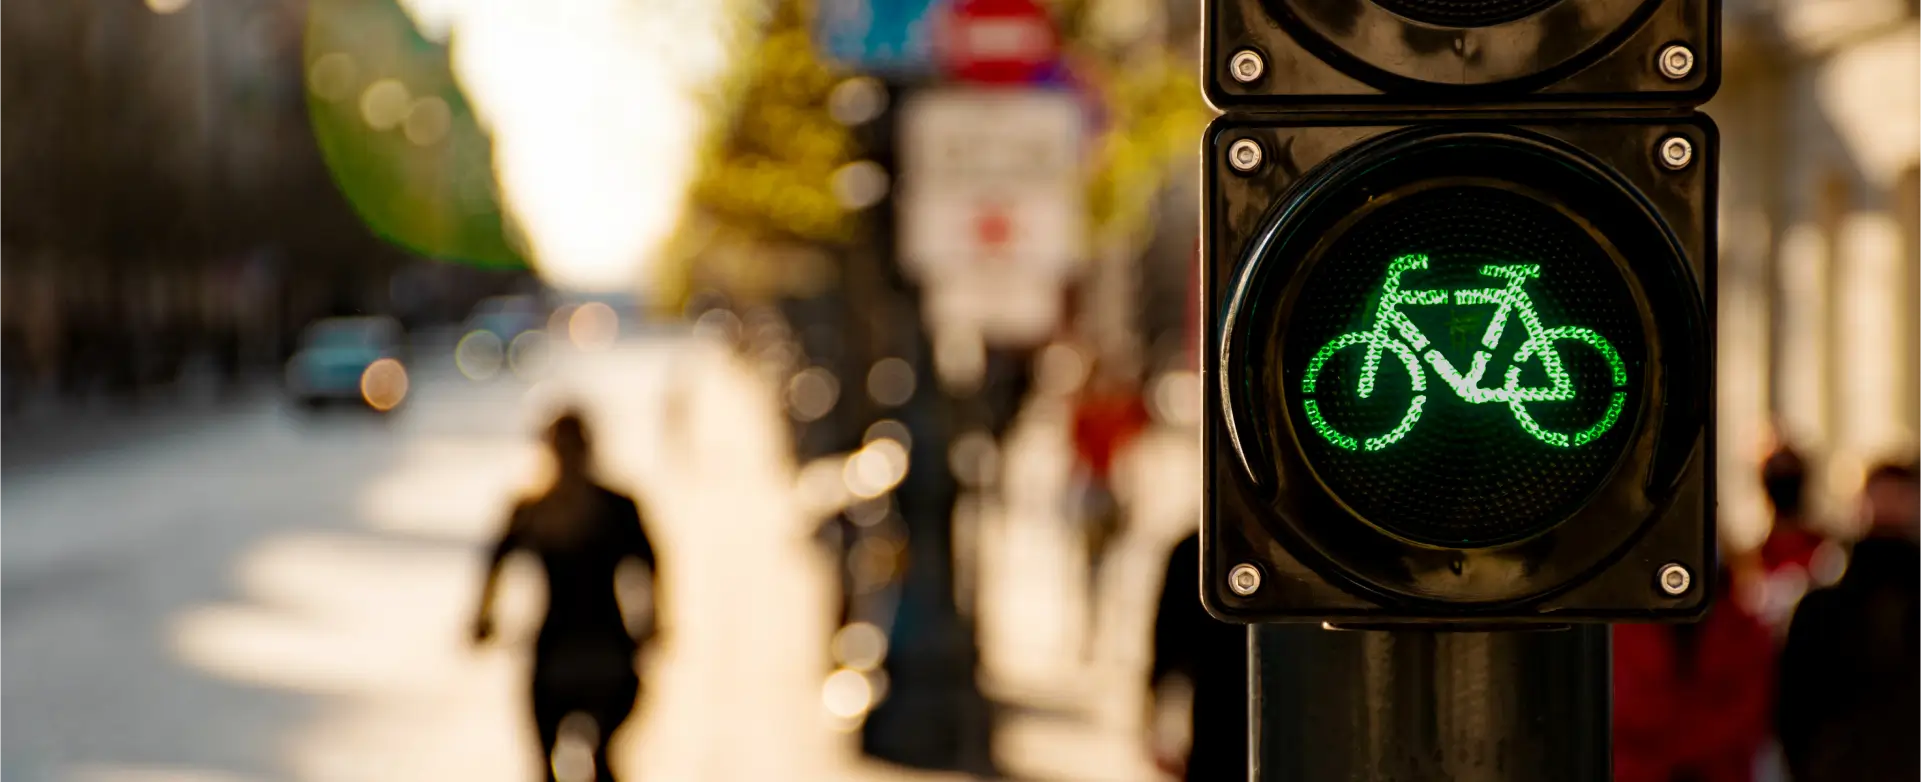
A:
[1413,705]
[934,715]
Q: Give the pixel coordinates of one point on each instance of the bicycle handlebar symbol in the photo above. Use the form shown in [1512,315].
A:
[1394,332]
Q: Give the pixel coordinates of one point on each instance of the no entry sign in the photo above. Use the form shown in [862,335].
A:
[997,41]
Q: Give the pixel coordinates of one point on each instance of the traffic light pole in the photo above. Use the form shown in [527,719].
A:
[1418,705]
[934,715]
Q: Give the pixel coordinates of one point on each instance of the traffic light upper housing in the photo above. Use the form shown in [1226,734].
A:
[1534,53]
[1460,367]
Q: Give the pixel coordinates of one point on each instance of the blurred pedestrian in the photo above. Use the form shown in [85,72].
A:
[1850,705]
[1791,541]
[1212,656]
[1796,556]
[1108,415]
[1691,701]
[584,678]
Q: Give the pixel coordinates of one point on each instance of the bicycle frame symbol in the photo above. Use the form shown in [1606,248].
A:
[1393,332]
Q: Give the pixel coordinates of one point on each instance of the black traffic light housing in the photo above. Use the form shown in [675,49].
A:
[1533,53]
[1334,547]
[1458,259]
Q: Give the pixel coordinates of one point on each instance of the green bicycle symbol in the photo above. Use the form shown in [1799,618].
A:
[1393,332]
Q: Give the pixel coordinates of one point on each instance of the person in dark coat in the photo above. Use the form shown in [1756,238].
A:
[584,657]
[1850,688]
[1213,656]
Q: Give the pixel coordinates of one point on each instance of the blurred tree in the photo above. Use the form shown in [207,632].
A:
[1139,69]
[766,184]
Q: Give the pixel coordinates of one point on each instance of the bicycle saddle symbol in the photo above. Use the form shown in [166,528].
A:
[1393,332]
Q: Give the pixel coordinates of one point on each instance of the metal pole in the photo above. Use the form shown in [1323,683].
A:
[1419,705]
[934,715]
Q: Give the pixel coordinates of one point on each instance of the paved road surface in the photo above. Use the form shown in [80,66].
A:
[247,594]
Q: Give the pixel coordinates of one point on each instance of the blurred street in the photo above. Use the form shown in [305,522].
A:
[259,594]
[335,333]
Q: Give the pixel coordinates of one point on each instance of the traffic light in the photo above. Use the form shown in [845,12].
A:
[1459,354]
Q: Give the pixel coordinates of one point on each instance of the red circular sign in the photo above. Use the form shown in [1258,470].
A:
[993,227]
[997,41]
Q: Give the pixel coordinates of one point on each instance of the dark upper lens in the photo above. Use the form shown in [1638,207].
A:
[1466,473]
[1464,13]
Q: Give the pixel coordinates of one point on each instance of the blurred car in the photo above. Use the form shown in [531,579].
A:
[355,359]
[502,332]
[506,317]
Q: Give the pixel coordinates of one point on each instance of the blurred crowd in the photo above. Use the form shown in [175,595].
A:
[1806,667]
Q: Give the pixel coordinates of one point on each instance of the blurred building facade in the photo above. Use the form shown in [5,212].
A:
[167,201]
[1818,277]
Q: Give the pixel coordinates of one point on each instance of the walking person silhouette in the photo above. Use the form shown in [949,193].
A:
[584,680]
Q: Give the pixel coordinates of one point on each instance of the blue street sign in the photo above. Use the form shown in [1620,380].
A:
[879,36]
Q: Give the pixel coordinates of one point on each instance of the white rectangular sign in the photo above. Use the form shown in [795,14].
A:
[992,177]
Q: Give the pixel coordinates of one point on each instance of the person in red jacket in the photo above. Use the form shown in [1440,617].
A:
[1693,702]
[1108,415]
[1795,557]
[1790,543]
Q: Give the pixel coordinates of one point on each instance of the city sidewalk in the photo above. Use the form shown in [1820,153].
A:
[1085,715]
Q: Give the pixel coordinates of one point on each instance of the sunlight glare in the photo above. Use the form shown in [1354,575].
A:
[593,118]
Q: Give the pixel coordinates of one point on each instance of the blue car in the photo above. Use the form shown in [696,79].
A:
[355,360]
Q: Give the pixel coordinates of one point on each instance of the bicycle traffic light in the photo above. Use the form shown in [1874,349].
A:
[1459,362]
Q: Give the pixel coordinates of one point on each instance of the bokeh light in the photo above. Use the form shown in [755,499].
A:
[428,121]
[527,355]
[1062,369]
[891,381]
[1176,397]
[384,104]
[811,394]
[718,324]
[384,384]
[876,468]
[975,459]
[333,76]
[860,646]
[860,184]
[889,429]
[478,355]
[846,694]
[857,100]
[593,326]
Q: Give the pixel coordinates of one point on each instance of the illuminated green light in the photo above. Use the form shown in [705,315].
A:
[1321,425]
[1400,430]
[1393,331]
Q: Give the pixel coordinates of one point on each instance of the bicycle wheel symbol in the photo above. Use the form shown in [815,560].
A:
[1374,344]
[1561,387]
